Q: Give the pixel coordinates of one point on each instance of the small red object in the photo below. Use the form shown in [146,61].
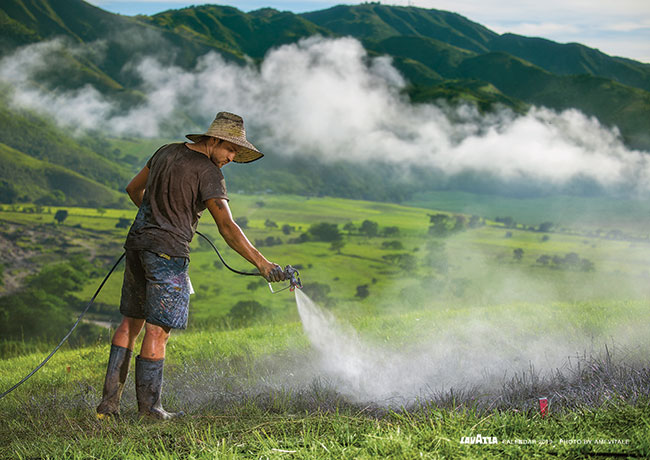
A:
[543,406]
[68,369]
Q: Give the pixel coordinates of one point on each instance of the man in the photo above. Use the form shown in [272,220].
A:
[178,182]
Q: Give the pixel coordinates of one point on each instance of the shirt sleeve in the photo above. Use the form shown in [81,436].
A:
[212,184]
[152,156]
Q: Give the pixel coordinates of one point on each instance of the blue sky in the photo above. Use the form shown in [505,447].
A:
[619,28]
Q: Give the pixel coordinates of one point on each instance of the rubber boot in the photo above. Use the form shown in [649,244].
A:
[116,373]
[148,387]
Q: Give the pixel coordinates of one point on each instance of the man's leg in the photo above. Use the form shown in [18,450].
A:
[127,332]
[149,373]
[117,370]
[167,304]
[154,342]
[131,303]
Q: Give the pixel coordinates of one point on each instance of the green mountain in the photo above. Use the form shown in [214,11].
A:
[441,54]
[228,28]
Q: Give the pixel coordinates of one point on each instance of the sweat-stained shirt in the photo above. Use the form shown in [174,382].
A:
[180,181]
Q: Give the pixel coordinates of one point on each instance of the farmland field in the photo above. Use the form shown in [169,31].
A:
[453,331]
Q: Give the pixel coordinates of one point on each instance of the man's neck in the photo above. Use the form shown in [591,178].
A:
[201,148]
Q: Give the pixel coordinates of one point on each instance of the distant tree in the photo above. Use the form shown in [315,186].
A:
[242,222]
[362,291]
[349,227]
[246,312]
[545,238]
[508,234]
[260,204]
[545,226]
[518,253]
[337,245]
[394,245]
[123,222]
[438,225]
[324,231]
[287,229]
[254,285]
[507,221]
[8,192]
[101,211]
[389,232]
[475,222]
[543,259]
[369,228]
[61,215]
[460,223]
[587,265]
[406,262]
[318,292]
[268,223]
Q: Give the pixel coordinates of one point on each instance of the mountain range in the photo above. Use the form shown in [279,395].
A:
[441,54]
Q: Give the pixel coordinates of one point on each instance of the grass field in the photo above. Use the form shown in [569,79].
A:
[463,335]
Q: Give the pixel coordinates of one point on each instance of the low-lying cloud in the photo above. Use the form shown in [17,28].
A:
[326,97]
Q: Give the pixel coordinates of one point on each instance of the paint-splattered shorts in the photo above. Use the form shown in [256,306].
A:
[156,288]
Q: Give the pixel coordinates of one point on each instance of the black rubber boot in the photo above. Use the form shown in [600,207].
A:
[116,373]
[148,386]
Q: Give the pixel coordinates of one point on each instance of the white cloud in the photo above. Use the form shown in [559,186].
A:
[326,98]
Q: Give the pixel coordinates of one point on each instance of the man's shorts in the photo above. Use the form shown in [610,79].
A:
[156,288]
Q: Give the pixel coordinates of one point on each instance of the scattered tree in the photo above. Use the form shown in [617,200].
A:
[61,215]
[362,291]
[324,231]
[545,227]
[268,223]
[507,221]
[369,228]
[518,253]
[389,232]
[123,222]
[247,312]
[394,245]
[337,245]
[349,227]
[438,225]
[242,222]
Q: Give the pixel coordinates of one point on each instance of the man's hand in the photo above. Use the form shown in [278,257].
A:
[272,272]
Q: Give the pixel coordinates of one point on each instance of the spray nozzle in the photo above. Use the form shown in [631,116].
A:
[293,276]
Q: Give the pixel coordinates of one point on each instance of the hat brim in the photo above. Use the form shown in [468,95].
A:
[246,153]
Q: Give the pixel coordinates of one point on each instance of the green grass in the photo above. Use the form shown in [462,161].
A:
[51,416]
[249,392]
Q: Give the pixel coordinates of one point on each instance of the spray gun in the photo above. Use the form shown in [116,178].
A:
[293,276]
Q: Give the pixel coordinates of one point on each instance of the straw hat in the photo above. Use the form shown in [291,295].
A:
[230,127]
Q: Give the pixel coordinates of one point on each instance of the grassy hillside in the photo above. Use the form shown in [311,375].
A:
[573,59]
[28,133]
[42,182]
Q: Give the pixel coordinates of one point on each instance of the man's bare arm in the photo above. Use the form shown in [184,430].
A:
[135,189]
[235,238]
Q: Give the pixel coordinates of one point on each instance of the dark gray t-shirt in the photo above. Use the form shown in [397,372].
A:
[180,181]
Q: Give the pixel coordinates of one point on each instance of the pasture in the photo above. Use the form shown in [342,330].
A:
[466,330]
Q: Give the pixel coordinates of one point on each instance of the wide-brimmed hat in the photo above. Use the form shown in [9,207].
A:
[230,127]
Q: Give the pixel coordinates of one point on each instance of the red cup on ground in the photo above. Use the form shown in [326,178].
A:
[543,406]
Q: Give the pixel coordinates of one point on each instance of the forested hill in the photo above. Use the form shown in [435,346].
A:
[441,54]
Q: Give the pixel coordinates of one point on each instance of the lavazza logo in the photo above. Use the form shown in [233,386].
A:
[479,439]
